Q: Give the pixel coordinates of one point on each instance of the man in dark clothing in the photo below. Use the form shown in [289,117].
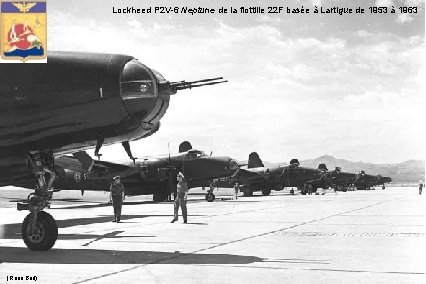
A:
[117,197]
[420,186]
[309,189]
[182,196]
[236,190]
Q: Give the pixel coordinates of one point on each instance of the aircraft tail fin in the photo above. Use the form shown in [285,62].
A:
[254,161]
[85,160]
[185,146]
[322,167]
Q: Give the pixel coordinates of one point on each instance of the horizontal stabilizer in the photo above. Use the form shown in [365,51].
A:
[85,160]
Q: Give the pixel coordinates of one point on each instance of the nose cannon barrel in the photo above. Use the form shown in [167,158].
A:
[171,88]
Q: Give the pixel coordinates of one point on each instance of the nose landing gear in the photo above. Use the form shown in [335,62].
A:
[210,196]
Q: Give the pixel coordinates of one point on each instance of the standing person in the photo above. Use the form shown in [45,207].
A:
[182,196]
[236,190]
[116,196]
[309,189]
[420,186]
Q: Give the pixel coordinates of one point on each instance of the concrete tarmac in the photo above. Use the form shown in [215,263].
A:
[352,237]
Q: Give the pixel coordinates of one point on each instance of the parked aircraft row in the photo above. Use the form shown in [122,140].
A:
[157,175]
[79,101]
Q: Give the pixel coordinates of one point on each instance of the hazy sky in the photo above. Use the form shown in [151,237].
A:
[300,85]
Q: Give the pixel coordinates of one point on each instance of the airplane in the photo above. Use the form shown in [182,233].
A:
[257,177]
[382,180]
[365,181]
[153,175]
[342,181]
[339,180]
[75,102]
[307,180]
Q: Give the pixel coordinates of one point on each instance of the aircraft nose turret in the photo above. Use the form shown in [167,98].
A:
[223,166]
[140,93]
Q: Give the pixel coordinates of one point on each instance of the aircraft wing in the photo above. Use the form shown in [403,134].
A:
[246,176]
[98,179]
[109,168]
[85,164]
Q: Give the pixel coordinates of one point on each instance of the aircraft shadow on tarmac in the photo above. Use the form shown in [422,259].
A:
[15,200]
[219,199]
[84,206]
[13,231]
[93,256]
[130,203]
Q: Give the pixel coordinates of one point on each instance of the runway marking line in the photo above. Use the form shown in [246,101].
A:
[244,239]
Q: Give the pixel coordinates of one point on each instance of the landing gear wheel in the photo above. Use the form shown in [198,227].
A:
[210,197]
[159,197]
[248,192]
[266,192]
[44,235]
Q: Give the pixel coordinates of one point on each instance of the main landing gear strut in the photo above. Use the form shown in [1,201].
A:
[39,229]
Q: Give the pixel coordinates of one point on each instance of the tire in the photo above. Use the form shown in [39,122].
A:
[159,197]
[266,192]
[210,197]
[247,192]
[345,189]
[46,235]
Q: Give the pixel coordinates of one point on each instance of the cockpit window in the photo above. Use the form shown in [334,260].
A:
[196,154]
[137,81]
[159,77]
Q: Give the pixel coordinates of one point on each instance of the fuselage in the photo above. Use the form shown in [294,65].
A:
[153,174]
[72,102]
[297,176]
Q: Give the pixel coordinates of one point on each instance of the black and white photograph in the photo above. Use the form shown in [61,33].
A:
[199,141]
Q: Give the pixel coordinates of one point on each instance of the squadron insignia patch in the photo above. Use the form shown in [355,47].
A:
[24,31]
